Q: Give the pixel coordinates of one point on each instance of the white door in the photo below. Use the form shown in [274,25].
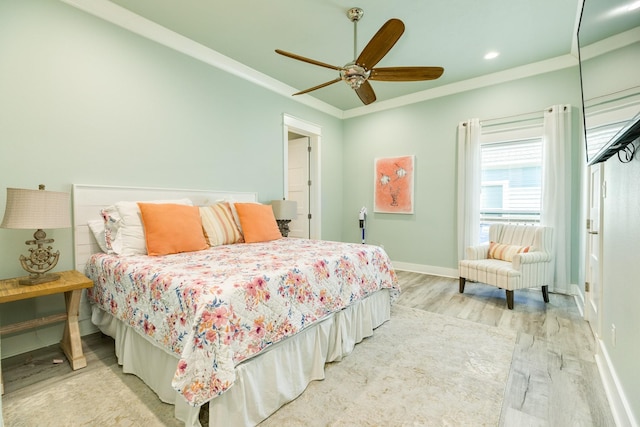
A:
[309,221]
[299,185]
[593,297]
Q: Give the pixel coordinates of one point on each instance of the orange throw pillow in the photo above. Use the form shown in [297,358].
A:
[258,222]
[171,228]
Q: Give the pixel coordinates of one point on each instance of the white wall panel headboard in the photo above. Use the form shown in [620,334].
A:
[89,199]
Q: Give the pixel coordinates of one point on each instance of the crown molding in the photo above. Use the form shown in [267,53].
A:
[516,73]
[130,21]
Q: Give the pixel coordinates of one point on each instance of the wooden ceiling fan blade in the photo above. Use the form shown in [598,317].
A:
[380,43]
[406,74]
[318,87]
[365,93]
[310,61]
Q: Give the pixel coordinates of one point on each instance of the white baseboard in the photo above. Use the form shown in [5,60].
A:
[578,297]
[618,402]
[426,269]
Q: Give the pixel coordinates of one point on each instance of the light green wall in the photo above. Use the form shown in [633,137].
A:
[621,273]
[428,131]
[83,101]
[621,233]
[621,270]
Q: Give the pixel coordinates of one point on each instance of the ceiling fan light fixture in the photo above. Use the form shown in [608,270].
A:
[354,75]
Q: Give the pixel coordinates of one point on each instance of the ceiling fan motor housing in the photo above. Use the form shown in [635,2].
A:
[354,75]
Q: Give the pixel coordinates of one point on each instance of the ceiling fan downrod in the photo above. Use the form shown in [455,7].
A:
[355,14]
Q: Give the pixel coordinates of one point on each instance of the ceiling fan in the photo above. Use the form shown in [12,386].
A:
[358,72]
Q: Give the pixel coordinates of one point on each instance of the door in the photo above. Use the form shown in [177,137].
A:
[593,285]
[305,188]
[298,190]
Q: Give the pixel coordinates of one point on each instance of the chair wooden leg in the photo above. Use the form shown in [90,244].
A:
[509,299]
[545,293]
[462,282]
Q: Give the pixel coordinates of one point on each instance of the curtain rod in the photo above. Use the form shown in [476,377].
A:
[521,117]
[514,118]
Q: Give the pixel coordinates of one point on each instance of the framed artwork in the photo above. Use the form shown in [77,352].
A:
[393,185]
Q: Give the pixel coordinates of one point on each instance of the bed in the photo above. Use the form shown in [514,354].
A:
[238,328]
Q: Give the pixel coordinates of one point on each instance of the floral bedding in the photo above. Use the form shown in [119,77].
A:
[217,307]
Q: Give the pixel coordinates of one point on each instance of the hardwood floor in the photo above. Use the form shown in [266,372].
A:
[553,379]
[37,366]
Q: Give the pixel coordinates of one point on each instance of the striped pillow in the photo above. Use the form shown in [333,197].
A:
[505,252]
[219,226]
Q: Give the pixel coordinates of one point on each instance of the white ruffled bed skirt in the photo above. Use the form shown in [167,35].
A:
[263,383]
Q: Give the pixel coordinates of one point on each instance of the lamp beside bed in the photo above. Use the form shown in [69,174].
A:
[284,211]
[37,209]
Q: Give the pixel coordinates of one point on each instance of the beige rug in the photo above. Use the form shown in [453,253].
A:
[419,369]
[102,396]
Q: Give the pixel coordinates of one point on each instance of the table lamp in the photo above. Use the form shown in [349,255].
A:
[284,211]
[37,209]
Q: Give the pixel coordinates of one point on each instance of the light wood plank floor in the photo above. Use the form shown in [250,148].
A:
[553,379]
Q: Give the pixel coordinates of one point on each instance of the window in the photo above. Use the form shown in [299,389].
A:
[511,178]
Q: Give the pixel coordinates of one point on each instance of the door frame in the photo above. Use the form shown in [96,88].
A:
[594,317]
[314,132]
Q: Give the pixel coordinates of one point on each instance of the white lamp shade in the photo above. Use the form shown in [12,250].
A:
[36,209]
[284,209]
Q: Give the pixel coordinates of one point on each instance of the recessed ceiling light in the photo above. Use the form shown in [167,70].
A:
[491,55]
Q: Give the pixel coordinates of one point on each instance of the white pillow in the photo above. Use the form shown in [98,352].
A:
[97,228]
[129,239]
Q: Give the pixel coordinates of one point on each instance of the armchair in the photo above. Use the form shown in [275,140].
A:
[517,257]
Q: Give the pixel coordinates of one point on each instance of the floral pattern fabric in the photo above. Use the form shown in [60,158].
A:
[217,307]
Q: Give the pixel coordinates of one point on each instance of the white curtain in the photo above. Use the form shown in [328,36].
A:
[468,184]
[556,190]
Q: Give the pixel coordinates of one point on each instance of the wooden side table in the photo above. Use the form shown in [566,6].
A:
[71,283]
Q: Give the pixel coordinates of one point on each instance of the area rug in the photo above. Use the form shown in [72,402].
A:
[418,369]
[101,396]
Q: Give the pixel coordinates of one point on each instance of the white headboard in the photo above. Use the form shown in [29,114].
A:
[89,199]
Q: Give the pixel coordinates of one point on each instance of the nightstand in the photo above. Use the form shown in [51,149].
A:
[71,283]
